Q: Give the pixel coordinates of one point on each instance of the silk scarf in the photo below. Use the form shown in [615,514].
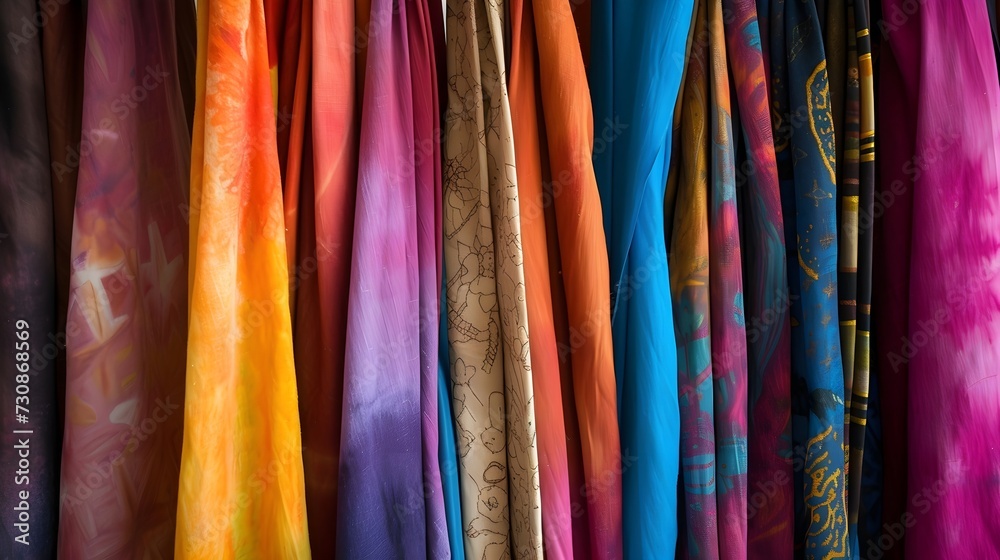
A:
[766,297]
[30,453]
[487,317]
[584,264]
[324,268]
[127,313]
[728,323]
[953,394]
[381,509]
[817,372]
[241,483]
[422,38]
[689,283]
[862,354]
[637,52]
[528,129]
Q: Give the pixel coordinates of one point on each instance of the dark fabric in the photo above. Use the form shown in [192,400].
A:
[63,39]
[29,455]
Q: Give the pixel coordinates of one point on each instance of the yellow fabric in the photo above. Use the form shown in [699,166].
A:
[241,483]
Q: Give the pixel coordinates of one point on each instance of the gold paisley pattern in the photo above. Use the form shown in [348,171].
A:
[821,121]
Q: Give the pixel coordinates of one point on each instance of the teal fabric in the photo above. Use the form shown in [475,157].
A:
[447,449]
[637,61]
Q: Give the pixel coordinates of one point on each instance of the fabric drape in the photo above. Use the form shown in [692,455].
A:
[728,318]
[635,73]
[240,394]
[532,170]
[127,312]
[487,318]
[862,356]
[382,510]
[27,294]
[817,371]
[689,284]
[583,262]
[325,267]
[943,58]
[63,48]
[766,296]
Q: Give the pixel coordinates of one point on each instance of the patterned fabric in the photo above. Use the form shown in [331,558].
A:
[240,395]
[862,360]
[729,342]
[527,125]
[635,51]
[487,317]
[767,299]
[27,298]
[127,311]
[848,191]
[689,283]
[953,392]
[817,372]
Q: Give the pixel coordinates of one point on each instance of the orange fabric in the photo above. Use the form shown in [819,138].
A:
[241,482]
[584,259]
[554,478]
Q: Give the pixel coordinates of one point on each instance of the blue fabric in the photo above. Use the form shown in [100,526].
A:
[817,371]
[447,448]
[637,61]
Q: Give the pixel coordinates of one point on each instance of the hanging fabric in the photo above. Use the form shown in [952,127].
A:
[27,296]
[689,284]
[532,170]
[943,59]
[381,510]
[635,80]
[240,396]
[766,295]
[127,312]
[728,319]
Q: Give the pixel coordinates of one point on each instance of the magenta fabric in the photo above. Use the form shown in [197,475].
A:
[949,92]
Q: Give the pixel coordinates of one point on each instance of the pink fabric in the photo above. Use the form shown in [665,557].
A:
[945,57]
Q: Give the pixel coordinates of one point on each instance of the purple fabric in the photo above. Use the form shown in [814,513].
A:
[381,512]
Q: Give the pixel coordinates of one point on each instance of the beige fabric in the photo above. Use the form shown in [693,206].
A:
[487,317]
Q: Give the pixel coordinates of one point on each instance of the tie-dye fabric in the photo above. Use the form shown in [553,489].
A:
[689,283]
[381,509]
[767,300]
[127,312]
[427,175]
[953,394]
[729,343]
[635,74]
[241,483]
